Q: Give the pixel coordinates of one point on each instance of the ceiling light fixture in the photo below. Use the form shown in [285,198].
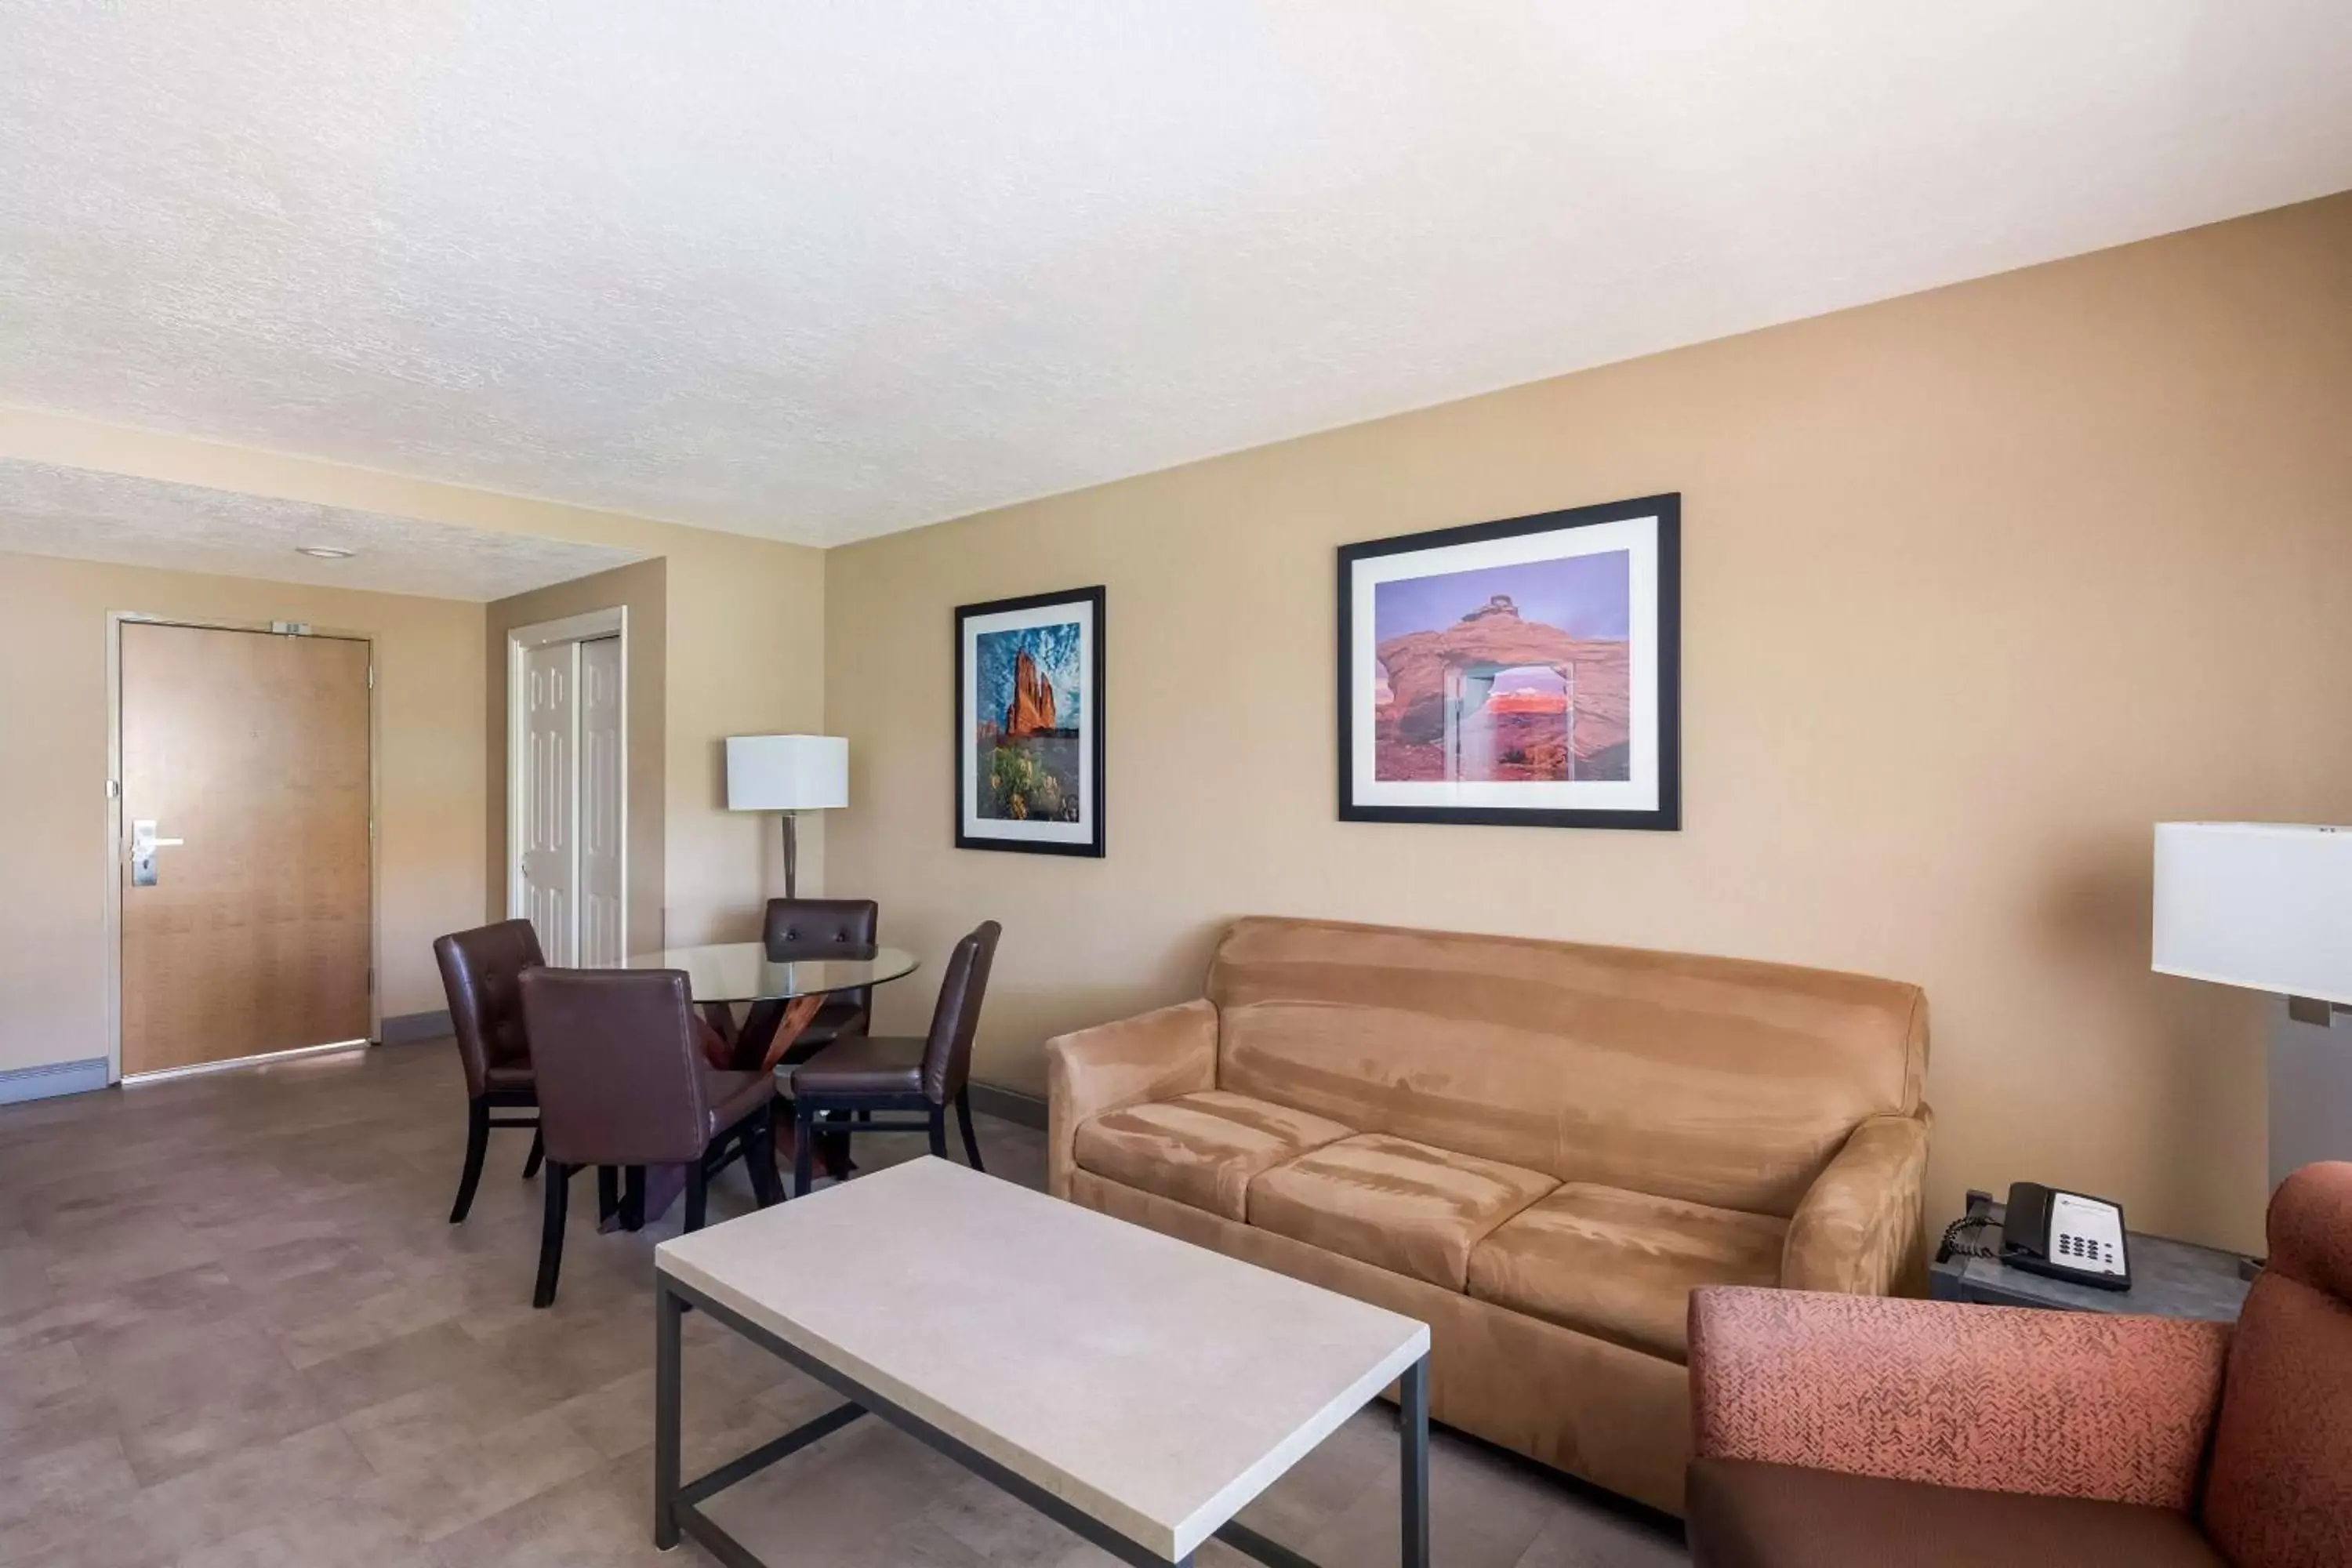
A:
[323,552]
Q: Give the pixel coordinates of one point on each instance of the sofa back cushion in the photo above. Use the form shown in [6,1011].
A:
[1712,1080]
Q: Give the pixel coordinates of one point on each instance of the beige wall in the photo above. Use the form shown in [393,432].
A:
[726,637]
[1978,586]
[746,658]
[744,627]
[643,590]
[54,818]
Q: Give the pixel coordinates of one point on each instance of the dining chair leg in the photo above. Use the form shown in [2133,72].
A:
[608,1192]
[698,1194]
[633,1198]
[940,1131]
[735,1144]
[834,1148]
[964,1116]
[804,1149]
[538,1153]
[551,1235]
[760,1158]
[478,1144]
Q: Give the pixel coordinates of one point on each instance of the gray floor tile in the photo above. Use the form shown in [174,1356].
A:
[243,1334]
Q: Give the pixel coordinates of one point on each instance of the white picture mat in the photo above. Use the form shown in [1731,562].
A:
[1638,537]
[968,715]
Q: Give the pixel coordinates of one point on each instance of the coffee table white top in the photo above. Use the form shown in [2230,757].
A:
[1153,1384]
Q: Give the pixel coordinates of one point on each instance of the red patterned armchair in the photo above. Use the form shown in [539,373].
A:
[1834,1429]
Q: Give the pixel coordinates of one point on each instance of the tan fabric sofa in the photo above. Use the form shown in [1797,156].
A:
[1537,1148]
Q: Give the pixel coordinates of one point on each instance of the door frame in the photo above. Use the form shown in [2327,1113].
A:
[587,626]
[115,621]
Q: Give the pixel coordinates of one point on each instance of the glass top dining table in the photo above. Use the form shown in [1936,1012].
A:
[785,993]
[742,971]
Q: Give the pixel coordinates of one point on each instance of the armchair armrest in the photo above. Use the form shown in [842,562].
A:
[1997,1398]
[1154,1055]
[1858,1229]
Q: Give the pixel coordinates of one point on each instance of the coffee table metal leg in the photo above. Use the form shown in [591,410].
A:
[1272,1554]
[1412,1434]
[665,1414]
[677,1507]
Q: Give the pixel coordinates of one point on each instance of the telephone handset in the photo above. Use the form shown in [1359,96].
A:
[2067,1236]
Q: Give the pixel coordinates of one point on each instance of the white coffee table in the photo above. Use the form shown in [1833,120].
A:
[1135,1388]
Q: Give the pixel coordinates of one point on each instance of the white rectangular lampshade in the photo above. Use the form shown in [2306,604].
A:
[787,772]
[2263,905]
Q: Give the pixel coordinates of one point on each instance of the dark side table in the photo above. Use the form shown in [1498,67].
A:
[2170,1278]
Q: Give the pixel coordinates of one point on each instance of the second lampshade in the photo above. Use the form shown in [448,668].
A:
[788,773]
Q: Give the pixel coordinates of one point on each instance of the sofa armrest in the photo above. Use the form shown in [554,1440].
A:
[1858,1228]
[1997,1398]
[1155,1056]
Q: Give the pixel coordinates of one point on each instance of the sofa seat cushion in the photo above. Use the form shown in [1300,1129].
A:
[1621,1265]
[1397,1205]
[1743,1513]
[1199,1149]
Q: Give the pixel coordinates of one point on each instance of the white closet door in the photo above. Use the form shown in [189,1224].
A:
[549,861]
[601,783]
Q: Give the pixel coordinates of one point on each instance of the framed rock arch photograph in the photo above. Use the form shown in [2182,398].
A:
[1029,725]
[1525,671]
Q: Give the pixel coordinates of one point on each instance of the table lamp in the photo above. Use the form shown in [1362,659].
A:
[2268,906]
[789,773]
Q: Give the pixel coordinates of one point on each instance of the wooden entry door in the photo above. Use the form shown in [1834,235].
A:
[249,753]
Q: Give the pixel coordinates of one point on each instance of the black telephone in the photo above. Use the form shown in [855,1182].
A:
[2067,1236]
[2046,1231]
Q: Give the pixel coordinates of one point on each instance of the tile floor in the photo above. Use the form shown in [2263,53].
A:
[236,1330]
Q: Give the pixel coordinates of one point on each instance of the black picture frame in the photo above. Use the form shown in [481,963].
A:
[1665,814]
[1011,837]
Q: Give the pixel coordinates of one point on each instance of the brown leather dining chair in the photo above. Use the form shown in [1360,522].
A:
[481,970]
[623,1085]
[826,928]
[863,1074]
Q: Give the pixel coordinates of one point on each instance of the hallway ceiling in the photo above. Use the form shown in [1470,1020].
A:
[85,515]
[821,272]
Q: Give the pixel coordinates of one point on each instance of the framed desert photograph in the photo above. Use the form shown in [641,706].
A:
[1029,725]
[1522,671]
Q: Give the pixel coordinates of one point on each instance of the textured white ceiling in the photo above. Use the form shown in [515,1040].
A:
[90,516]
[821,271]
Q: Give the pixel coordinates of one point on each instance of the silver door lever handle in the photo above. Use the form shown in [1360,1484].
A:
[144,844]
[144,840]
